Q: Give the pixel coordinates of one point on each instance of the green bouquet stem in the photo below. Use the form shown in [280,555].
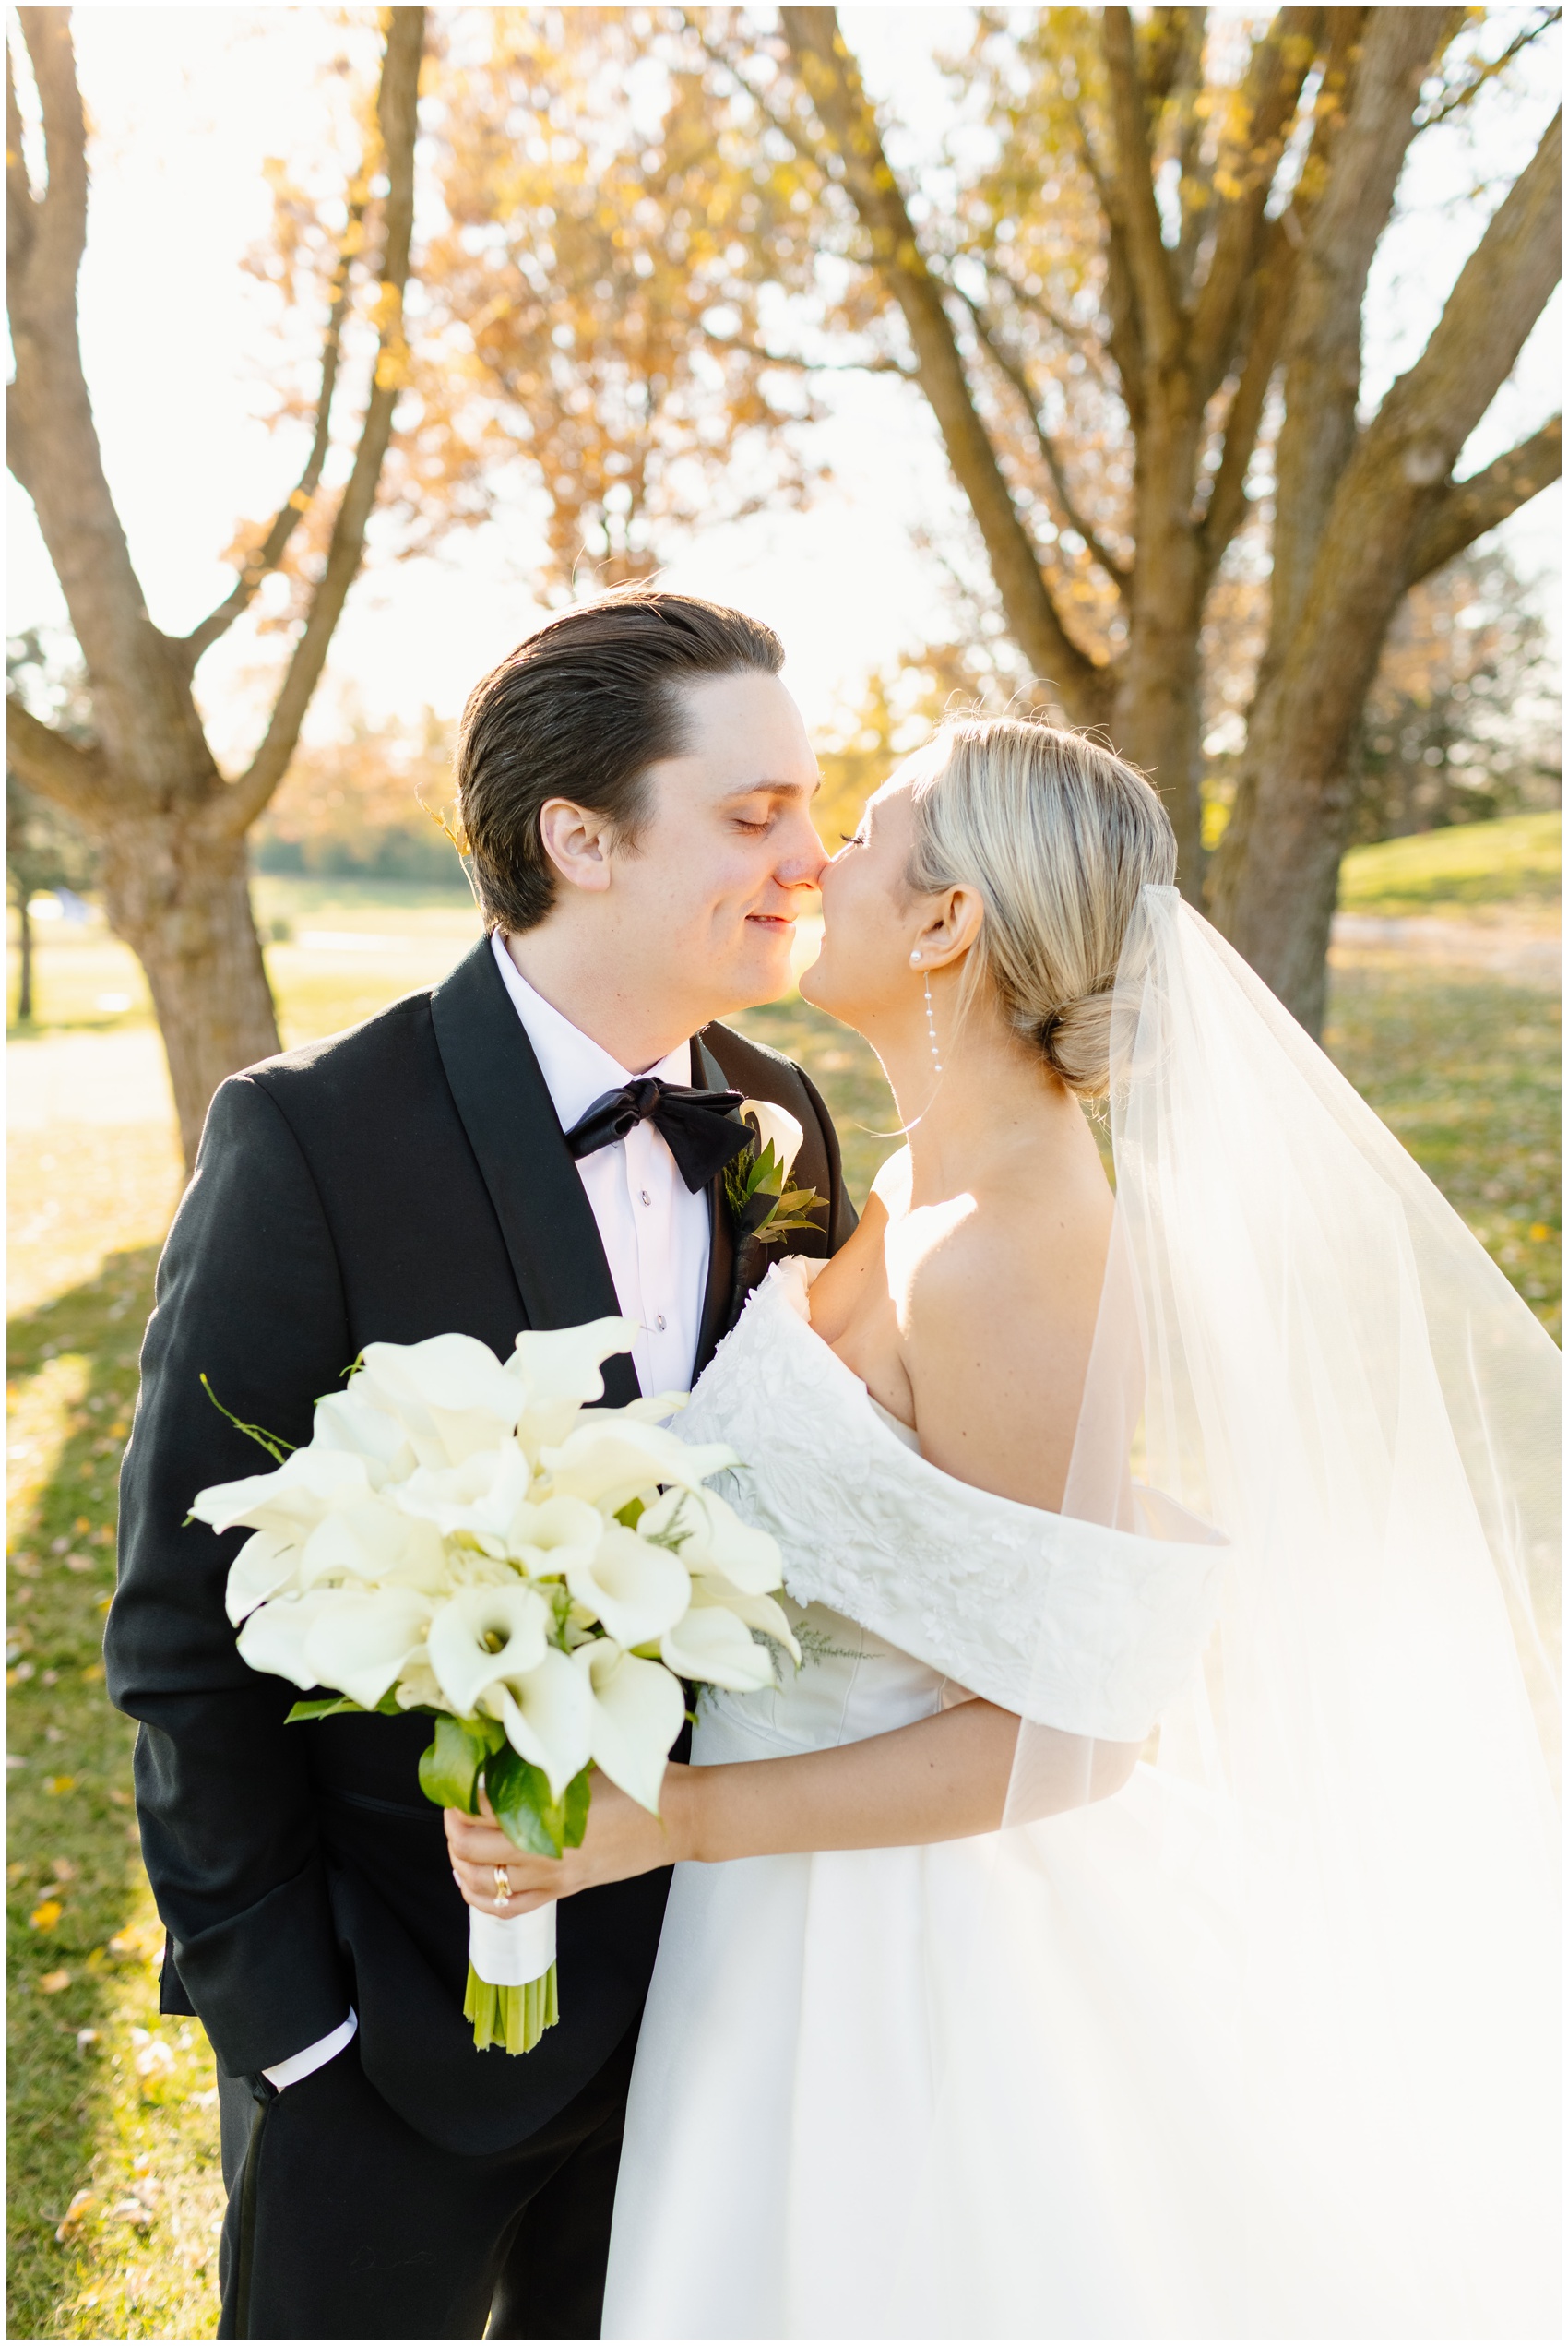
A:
[514,2017]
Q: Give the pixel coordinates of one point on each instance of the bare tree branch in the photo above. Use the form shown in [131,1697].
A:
[1488,71]
[1472,508]
[1013,368]
[1324,335]
[805,366]
[397,113]
[141,709]
[1227,498]
[1085,339]
[1274,278]
[61,771]
[60,213]
[20,203]
[1280,62]
[270,553]
[832,82]
[1499,293]
[1131,195]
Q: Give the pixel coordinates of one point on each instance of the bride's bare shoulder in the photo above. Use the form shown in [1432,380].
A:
[997,1308]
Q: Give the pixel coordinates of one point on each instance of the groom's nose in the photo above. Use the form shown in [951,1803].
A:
[802,858]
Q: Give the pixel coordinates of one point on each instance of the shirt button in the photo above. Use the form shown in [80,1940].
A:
[643,1196]
[659,1323]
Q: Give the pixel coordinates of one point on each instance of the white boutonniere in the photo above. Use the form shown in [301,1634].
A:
[758,1183]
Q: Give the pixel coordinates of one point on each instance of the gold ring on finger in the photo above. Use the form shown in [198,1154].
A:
[502,1886]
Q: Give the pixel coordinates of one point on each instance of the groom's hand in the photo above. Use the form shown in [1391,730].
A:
[622,1840]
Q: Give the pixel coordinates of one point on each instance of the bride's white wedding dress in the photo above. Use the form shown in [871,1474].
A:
[1264,2044]
[805,2010]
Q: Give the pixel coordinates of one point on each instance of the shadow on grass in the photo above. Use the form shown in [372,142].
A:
[82,1943]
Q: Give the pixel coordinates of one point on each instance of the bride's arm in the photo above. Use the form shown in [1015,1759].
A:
[943,1778]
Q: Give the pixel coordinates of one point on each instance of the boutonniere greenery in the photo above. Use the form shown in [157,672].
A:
[757,1183]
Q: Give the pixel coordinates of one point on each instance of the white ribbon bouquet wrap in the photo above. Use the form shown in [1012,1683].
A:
[468,1537]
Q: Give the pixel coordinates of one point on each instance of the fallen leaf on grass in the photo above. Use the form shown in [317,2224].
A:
[138,1943]
[53,1982]
[45,1915]
[59,1784]
[81,2207]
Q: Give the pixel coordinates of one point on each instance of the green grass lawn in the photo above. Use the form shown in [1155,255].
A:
[1516,863]
[115,2138]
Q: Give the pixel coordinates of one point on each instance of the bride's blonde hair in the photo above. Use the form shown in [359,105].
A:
[1057,836]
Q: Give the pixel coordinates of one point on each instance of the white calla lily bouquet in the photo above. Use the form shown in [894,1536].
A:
[468,1537]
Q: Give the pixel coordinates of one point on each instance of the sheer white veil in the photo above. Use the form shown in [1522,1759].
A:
[1294,1993]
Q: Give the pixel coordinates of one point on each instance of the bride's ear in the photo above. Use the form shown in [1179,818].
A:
[951,926]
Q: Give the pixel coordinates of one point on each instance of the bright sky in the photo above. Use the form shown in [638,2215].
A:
[186,103]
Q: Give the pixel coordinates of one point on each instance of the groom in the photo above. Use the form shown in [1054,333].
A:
[634,784]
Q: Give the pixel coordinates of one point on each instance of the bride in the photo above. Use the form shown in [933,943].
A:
[1136,1916]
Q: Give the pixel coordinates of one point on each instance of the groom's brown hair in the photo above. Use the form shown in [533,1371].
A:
[580,710]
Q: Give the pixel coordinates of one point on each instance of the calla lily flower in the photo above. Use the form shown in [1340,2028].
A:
[274,1637]
[607,1465]
[548,1717]
[554,1537]
[352,1421]
[712,1538]
[757,1612]
[291,1499]
[479,1497]
[561,1368]
[710,1643]
[637,1711]
[482,1634]
[368,1538]
[361,1641]
[266,1567]
[636,1590]
[776,1128]
[450,1395]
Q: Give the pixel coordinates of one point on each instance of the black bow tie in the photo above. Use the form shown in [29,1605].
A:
[702,1133]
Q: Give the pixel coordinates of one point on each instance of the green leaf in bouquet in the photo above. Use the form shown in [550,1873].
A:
[574,1805]
[632,1513]
[449,1768]
[519,1793]
[322,1706]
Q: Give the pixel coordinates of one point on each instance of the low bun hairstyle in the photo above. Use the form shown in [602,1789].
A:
[1058,836]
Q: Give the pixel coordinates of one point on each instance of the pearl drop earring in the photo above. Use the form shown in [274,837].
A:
[931,1026]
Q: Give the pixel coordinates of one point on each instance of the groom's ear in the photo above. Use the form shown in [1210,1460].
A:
[578,843]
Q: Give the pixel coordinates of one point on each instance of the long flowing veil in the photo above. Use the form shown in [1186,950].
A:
[1282,2015]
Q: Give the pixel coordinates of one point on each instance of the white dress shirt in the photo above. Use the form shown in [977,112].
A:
[656,1237]
[655,1230]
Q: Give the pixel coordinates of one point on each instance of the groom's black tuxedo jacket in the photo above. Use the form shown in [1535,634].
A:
[389,1183]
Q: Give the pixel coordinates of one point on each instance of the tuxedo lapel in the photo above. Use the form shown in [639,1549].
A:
[719,1295]
[540,1202]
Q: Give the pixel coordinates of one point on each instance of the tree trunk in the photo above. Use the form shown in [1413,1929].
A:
[1158,719]
[177,892]
[24,975]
